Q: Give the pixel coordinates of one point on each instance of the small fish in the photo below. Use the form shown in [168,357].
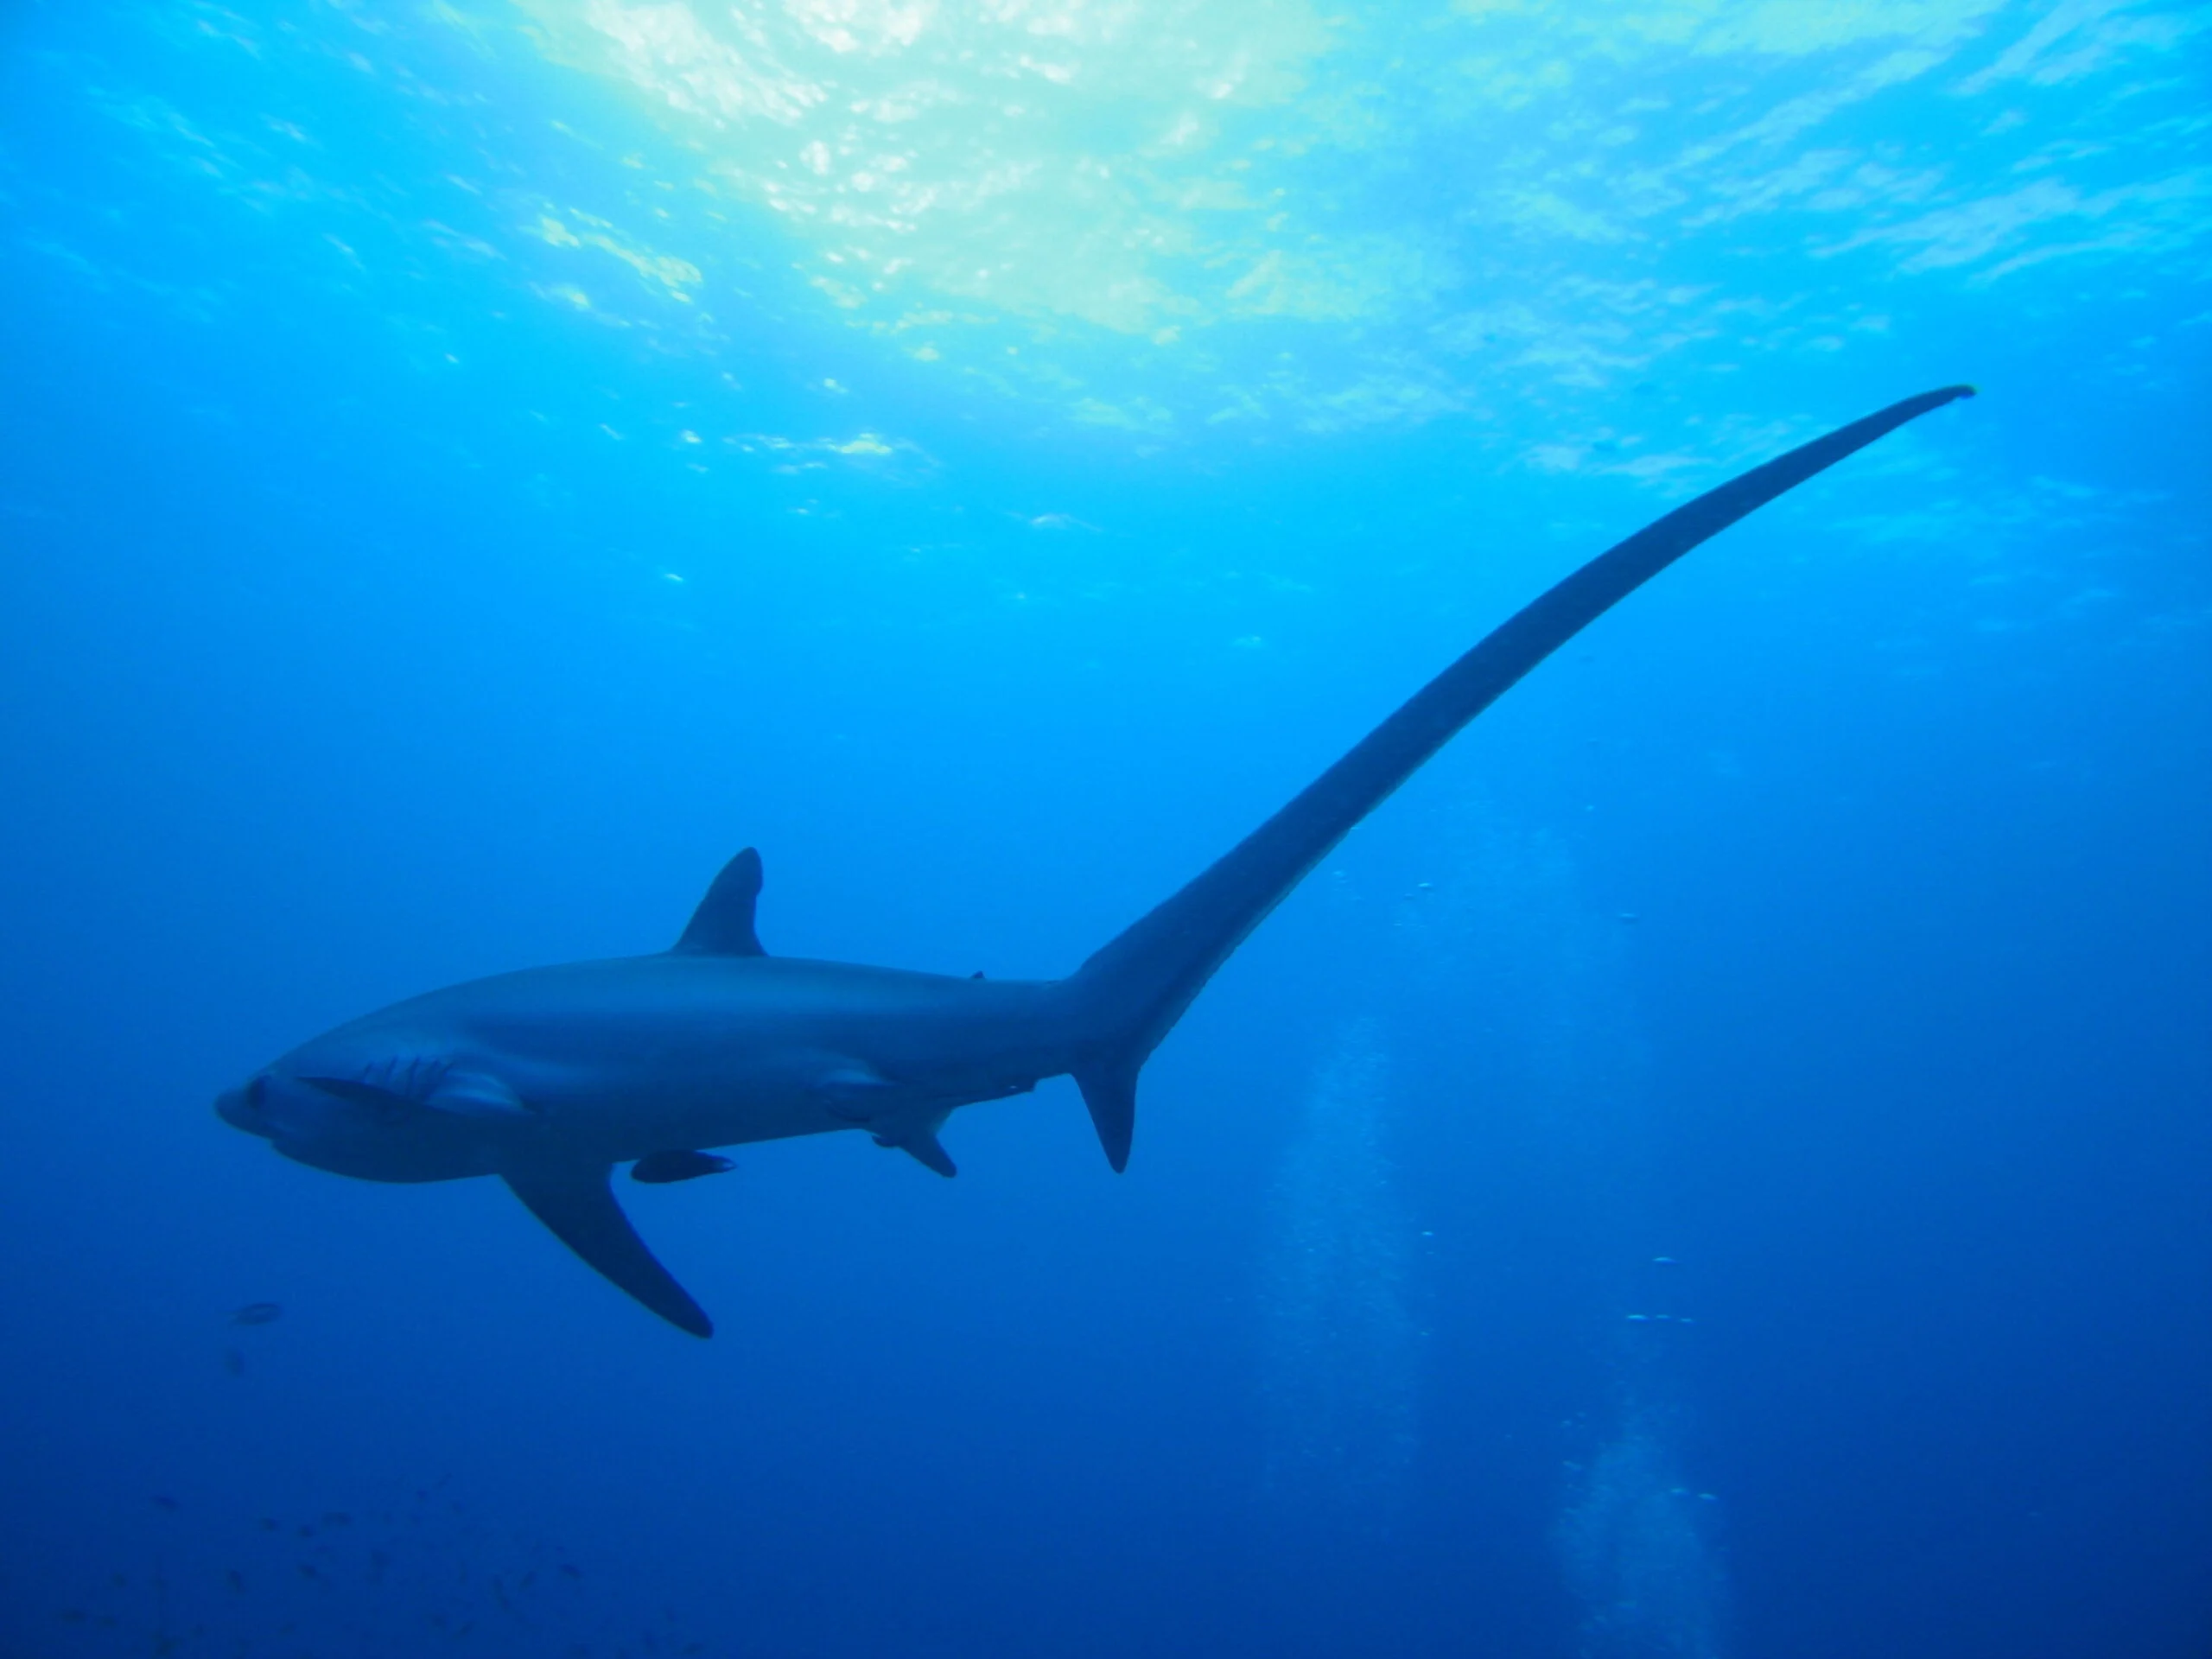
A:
[163,1501]
[234,1362]
[257,1313]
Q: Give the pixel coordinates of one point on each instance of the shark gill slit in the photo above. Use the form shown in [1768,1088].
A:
[1130,993]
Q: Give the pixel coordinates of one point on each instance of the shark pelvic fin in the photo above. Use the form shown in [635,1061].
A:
[576,1202]
[722,925]
[925,1149]
[915,1132]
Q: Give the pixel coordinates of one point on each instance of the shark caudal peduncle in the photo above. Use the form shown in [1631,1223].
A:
[551,1077]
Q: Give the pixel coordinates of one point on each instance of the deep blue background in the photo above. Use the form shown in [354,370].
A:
[1833,921]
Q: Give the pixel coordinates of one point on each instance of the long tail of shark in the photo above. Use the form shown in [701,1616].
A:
[1133,991]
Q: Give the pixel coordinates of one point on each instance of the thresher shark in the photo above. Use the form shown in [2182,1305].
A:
[550,1077]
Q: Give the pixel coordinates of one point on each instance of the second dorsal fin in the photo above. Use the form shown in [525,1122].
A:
[722,925]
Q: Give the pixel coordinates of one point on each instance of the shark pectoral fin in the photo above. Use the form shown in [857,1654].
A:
[722,925]
[576,1202]
[475,1094]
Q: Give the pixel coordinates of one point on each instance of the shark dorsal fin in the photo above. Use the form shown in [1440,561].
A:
[722,925]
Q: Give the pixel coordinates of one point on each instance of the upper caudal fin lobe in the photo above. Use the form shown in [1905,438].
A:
[1132,992]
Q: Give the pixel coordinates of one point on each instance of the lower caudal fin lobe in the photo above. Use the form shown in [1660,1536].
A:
[1134,989]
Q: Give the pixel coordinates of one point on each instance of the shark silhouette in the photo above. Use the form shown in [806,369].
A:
[550,1077]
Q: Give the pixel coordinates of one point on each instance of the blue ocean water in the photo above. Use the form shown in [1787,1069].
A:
[1716,1166]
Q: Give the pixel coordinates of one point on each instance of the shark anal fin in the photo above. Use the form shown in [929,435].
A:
[1109,1089]
[659,1168]
[576,1202]
[722,925]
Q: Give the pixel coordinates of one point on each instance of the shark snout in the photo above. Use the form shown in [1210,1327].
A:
[246,1108]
